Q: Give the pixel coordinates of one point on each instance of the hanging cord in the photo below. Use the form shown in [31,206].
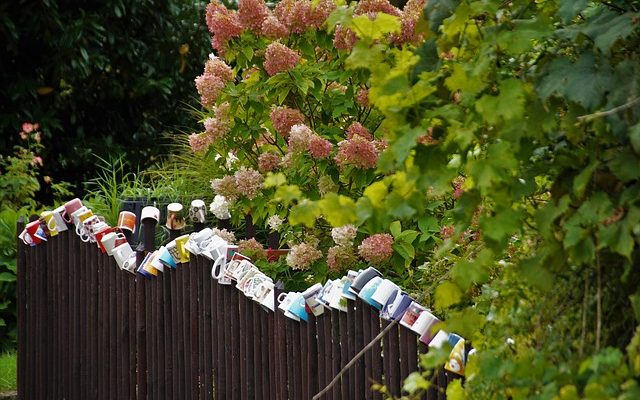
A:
[354,359]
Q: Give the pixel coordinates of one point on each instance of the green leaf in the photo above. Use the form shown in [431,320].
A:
[406,251]
[507,105]
[338,210]
[625,166]
[455,390]
[634,137]
[524,34]
[414,382]
[273,180]
[382,25]
[463,79]
[7,277]
[304,213]
[447,294]
[582,179]
[287,194]
[570,8]
[503,224]
[407,236]
[376,192]
[428,224]
[466,273]
[395,228]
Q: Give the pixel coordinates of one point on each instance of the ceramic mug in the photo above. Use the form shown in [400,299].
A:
[198,211]
[439,339]
[457,359]
[268,300]
[75,217]
[293,305]
[325,293]
[141,268]
[153,265]
[70,207]
[150,212]
[127,221]
[175,220]
[263,290]
[125,257]
[166,258]
[194,244]
[368,290]
[250,285]
[396,306]
[60,214]
[253,271]
[33,234]
[336,301]
[411,314]
[99,235]
[350,277]
[47,220]
[113,240]
[183,253]
[362,279]
[384,292]
[314,306]
[425,323]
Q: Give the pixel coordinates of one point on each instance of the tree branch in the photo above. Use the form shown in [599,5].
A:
[606,113]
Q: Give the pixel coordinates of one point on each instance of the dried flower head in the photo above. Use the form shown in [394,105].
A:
[340,258]
[268,161]
[252,249]
[344,235]
[344,38]
[356,128]
[357,152]
[225,186]
[302,256]
[228,236]
[377,248]
[279,58]
[283,118]
[248,182]
[319,147]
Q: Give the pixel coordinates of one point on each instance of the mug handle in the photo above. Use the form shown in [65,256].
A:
[52,220]
[219,262]
[26,238]
[280,295]
[65,216]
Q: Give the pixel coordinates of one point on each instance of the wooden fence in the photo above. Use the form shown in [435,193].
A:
[87,330]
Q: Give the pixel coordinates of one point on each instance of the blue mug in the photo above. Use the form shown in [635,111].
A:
[297,307]
[368,290]
[362,279]
[395,308]
[165,258]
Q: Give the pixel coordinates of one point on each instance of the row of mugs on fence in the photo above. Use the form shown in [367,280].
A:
[368,284]
[87,225]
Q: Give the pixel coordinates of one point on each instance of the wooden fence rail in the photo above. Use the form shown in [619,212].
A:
[87,330]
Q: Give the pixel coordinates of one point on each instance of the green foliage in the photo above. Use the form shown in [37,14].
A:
[8,371]
[104,78]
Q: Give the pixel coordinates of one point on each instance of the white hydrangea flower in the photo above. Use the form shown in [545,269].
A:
[274,222]
[344,235]
[220,207]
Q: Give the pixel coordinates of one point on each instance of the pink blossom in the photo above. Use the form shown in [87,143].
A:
[252,13]
[344,38]
[377,248]
[300,15]
[209,88]
[268,161]
[220,125]
[340,258]
[373,7]
[362,97]
[302,256]
[357,152]
[248,182]
[319,147]
[356,128]
[200,142]
[279,58]
[411,14]
[228,236]
[320,13]
[287,160]
[23,135]
[273,28]
[252,249]
[217,67]
[457,187]
[447,232]
[224,24]
[299,138]
[225,186]
[36,161]
[27,127]
[284,118]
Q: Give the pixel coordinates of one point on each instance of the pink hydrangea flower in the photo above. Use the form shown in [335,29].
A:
[273,28]
[362,97]
[447,232]
[319,147]
[411,14]
[252,249]
[225,186]
[344,38]
[373,7]
[200,142]
[36,161]
[320,13]
[28,127]
[300,15]
[224,24]
[284,118]
[299,138]
[457,187]
[248,182]
[228,236]
[252,13]
[217,67]
[340,258]
[356,128]
[209,88]
[279,58]
[357,152]
[302,256]
[268,162]
[220,125]
[377,248]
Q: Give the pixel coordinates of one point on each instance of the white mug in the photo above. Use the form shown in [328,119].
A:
[336,301]
[425,322]
[59,214]
[194,244]
[112,240]
[262,290]
[197,212]
[150,212]
[384,292]
[311,298]
[125,257]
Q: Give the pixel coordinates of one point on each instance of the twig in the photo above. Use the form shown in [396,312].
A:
[614,110]
[598,303]
[584,314]
[354,359]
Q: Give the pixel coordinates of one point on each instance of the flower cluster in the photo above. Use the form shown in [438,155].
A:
[252,14]
[219,126]
[326,185]
[272,28]
[300,15]
[340,258]
[372,7]
[228,236]
[220,207]
[225,186]
[268,161]
[299,138]
[209,85]
[223,24]
[411,14]
[283,118]
[344,235]
[279,58]
[356,128]
[447,232]
[302,256]
[252,249]
[344,38]
[319,147]
[457,187]
[200,142]
[362,97]
[274,222]
[377,248]
[248,182]
[358,152]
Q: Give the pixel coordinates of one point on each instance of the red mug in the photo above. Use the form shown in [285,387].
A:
[33,233]
[70,207]
[101,233]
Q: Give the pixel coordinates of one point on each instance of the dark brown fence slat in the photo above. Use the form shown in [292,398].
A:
[376,352]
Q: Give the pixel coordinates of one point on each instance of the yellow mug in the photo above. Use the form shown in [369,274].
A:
[50,222]
[182,251]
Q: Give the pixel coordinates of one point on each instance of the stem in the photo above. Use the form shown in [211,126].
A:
[584,315]
[614,110]
[598,303]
